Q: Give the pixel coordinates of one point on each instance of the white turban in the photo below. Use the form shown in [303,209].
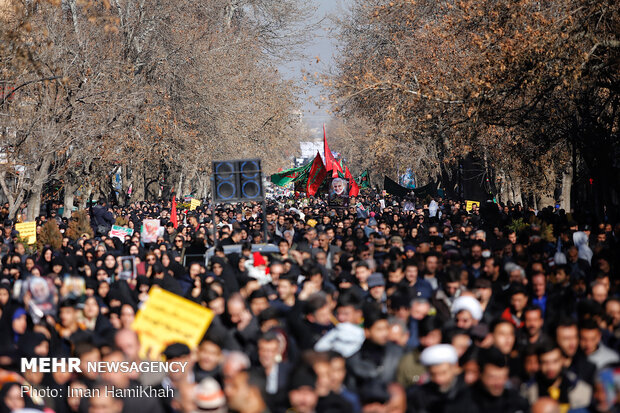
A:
[467,303]
[439,354]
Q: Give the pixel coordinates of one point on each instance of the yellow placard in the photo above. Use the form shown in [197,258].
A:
[193,204]
[469,205]
[27,230]
[167,318]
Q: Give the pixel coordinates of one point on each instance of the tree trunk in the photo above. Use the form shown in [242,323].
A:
[547,194]
[40,177]
[201,187]
[137,193]
[565,198]
[88,189]
[504,193]
[69,197]
[515,189]
[34,204]
[126,183]
[13,200]
[179,188]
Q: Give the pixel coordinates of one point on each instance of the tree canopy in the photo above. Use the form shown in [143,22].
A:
[521,84]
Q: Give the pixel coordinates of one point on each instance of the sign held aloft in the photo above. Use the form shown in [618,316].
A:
[168,318]
[193,204]
[120,232]
[469,205]
[27,230]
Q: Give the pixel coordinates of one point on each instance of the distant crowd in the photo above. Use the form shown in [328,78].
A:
[388,305]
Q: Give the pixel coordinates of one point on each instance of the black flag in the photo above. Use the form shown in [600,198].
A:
[393,188]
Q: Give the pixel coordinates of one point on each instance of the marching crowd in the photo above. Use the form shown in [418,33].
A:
[389,305]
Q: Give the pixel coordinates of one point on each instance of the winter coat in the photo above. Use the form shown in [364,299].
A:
[429,399]
[374,363]
[509,402]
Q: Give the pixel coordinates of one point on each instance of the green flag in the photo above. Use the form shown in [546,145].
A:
[291,175]
[364,179]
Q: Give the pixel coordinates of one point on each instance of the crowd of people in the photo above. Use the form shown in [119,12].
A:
[389,305]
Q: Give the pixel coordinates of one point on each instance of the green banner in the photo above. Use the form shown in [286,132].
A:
[291,175]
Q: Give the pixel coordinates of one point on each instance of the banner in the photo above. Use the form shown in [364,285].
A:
[173,213]
[167,318]
[120,232]
[364,179]
[338,193]
[393,188]
[43,297]
[469,205]
[73,286]
[330,161]
[354,189]
[291,175]
[151,229]
[426,190]
[127,268]
[193,204]
[27,230]
[317,175]
[407,179]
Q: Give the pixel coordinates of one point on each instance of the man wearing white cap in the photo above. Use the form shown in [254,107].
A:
[447,391]
[467,311]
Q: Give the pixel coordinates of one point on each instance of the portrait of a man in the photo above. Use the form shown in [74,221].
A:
[339,192]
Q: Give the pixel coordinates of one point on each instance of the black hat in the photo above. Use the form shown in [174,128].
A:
[517,289]
[428,324]
[371,316]
[68,302]
[492,356]
[303,377]
[345,277]
[482,283]
[176,350]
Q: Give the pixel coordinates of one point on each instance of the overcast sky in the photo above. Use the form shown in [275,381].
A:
[323,46]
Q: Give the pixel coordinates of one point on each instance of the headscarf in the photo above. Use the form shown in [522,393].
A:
[580,239]
[19,311]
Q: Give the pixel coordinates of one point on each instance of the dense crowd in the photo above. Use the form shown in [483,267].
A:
[390,305]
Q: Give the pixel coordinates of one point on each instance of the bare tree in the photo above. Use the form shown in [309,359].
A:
[147,89]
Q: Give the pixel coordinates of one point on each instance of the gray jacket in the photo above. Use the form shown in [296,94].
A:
[603,357]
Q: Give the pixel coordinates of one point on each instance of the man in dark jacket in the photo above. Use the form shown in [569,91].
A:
[310,320]
[567,337]
[101,218]
[378,359]
[555,381]
[490,392]
[447,391]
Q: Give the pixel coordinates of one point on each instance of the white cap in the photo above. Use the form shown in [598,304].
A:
[467,303]
[439,354]
[208,395]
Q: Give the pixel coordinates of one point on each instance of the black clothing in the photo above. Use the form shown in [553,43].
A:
[428,399]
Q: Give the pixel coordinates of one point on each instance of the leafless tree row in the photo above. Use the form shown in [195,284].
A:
[531,88]
[149,90]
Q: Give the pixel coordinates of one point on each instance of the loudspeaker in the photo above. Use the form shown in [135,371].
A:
[225,181]
[237,180]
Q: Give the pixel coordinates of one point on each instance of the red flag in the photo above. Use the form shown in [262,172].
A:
[330,162]
[173,212]
[316,176]
[354,189]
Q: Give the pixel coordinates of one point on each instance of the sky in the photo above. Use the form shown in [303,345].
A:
[322,48]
